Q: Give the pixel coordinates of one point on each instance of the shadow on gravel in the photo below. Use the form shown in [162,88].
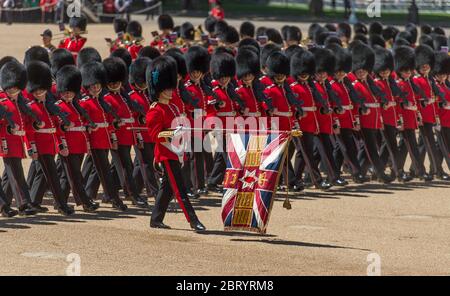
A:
[296,244]
[234,233]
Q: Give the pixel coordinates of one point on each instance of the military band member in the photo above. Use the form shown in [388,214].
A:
[75,42]
[120,27]
[134,30]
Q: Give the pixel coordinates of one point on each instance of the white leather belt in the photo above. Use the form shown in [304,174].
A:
[128,120]
[226,113]
[257,114]
[347,107]
[46,130]
[76,129]
[446,107]
[390,104]
[18,133]
[372,105]
[101,124]
[285,114]
[411,108]
[431,100]
[309,109]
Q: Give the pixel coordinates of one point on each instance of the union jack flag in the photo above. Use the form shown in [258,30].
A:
[254,163]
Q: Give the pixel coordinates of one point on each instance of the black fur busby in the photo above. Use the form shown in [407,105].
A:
[332,39]
[187,31]
[404,59]
[384,59]
[330,27]
[178,56]
[439,41]
[116,70]
[375,28]
[405,35]
[400,42]
[93,73]
[426,40]
[425,29]
[360,28]
[439,31]
[343,58]
[361,37]
[261,31]
[302,63]
[344,30]
[223,49]
[39,76]
[293,49]
[293,33]
[13,74]
[249,48]
[120,25]
[7,59]
[165,22]
[209,24]
[220,27]
[161,75]
[250,42]
[149,52]
[274,36]
[197,59]
[363,58]
[60,57]
[134,28]
[137,70]
[325,60]
[283,31]
[247,62]
[222,65]
[312,30]
[320,34]
[424,55]
[376,39]
[320,40]
[412,29]
[36,53]
[266,51]
[68,78]
[277,63]
[78,22]
[442,63]
[389,33]
[122,54]
[230,36]
[247,29]
[88,55]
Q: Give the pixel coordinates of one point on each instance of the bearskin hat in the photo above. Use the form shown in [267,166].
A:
[120,25]
[39,76]
[439,31]
[345,30]
[376,39]
[78,22]
[405,35]
[36,53]
[220,27]
[400,42]
[389,33]
[230,35]
[249,48]
[222,65]
[360,28]
[165,22]
[363,58]
[283,31]
[412,29]
[330,27]
[361,37]
[424,55]
[343,58]
[249,42]
[197,59]
[293,33]
[134,28]
[293,49]
[247,63]
[7,59]
[178,56]
[375,28]
[116,70]
[320,39]
[88,55]
[247,29]
[187,31]
[149,52]
[137,70]
[93,73]
[60,57]
[13,74]
[209,24]
[124,55]
[161,75]
[274,36]
[277,63]
[404,58]
[383,59]
[439,41]
[426,40]
[302,63]
[312,30]
[68,78]
[442,63]
[266,51]
[425,29]
[333,39]
[320,34]
[261,31]
[325,60]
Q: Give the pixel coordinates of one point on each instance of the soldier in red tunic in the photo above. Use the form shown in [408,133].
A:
[134,29]
[12,131]
[120,27]
[75,42]
[161,118]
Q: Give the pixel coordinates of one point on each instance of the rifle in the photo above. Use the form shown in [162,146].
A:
[83,112]
[25,109]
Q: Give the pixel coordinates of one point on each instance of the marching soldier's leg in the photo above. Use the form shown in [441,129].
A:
[409,137]
[38,186]
[6,186]
[390,150]
[117,174]
[444,144]
[63,179]
[198,168]
[150,174]
[137,172]
[5,209]
[32,172]
[207,156]
[218,171]
[326,153]
[431,149]
[370,140]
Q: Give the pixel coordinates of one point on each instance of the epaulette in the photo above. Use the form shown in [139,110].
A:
[107,94]
[187,83]
[153,105]
[294,83]
[262,77]
[272,85]
[239,87]
[354,82]
[85,98]
[376,79]
[332,81]
[58,102]
[3,99]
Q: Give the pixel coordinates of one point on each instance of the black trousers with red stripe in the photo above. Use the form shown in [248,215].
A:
[144,173]
[172,184]
[72,169]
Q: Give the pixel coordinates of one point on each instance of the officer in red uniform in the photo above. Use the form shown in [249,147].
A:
[145,150]
[197,62]
[116,75]
[427,99]
[13,79]
[134,29]
[371,121]
[404,67]
[102,138]
[346,148]
[44,143]
[76,139]
[161,117]
[75,42]
[303,68]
